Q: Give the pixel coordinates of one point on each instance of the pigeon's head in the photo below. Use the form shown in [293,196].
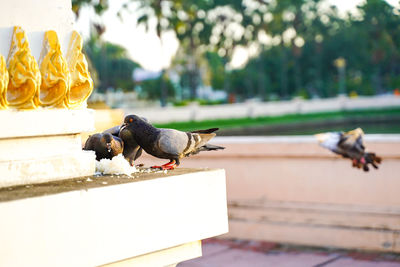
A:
[132,120]
[356,132]
[108,139]
[329,140]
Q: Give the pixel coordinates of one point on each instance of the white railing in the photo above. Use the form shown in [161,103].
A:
[258,109]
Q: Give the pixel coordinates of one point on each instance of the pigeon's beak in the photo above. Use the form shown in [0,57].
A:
[322,137]
[108,145]
[123,126]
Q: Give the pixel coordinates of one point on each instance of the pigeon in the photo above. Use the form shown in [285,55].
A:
[114,130]
[105,145]
[350,145]
[132,151]
[168,143]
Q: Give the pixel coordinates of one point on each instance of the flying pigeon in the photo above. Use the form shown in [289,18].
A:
[168,143]
[105,145]
[349,145]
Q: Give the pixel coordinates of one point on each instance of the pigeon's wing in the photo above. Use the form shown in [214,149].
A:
[88,144]
[92,142]
[352,144]
[172,142]
[114,130]
[117,145]
[138,153]
[358,145]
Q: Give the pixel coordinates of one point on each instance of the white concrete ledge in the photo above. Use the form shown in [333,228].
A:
[167,257]
[44,122]
[43,145]
[28,148]
[82,222]
[44,169]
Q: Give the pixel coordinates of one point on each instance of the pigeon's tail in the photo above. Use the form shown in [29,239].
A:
[211,130]
[373,159]
[208,147]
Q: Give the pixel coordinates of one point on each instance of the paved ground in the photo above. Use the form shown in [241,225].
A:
[239,253]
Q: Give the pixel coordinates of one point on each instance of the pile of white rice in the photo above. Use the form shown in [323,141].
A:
[118,165]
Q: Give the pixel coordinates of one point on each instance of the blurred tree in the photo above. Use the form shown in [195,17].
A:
[114,68]
[150,89]
[99,7]
[200,26]
[216,70]
[292,45]
[381,27]
[301,40]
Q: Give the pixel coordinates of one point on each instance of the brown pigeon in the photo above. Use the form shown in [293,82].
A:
[168,143]
[350,145]
[105,145]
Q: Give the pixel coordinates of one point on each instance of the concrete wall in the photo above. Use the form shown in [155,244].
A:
[288,189]
[147,220]
[35,19]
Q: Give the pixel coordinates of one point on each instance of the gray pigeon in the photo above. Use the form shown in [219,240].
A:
[349,145]
[132,150]
[168,143]
[105,145]
[114,130]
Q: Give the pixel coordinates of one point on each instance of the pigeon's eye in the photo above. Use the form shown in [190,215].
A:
[130,120]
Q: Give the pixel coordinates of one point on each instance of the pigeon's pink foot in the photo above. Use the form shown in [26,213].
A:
[355,162]
[167,166]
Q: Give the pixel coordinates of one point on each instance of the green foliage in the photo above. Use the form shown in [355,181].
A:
[200,26]
[99,6]
[369,44]
[182,103]
[216,70]
[297,41]
[283,119]
[204,102]
[114,68]
[152,89]
[201,102]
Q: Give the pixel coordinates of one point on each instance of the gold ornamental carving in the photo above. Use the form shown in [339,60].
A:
[3,82]
[81,82]
[55,74]
[58,83]
[24,74]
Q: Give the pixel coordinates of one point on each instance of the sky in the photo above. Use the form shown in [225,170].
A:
[145,47]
